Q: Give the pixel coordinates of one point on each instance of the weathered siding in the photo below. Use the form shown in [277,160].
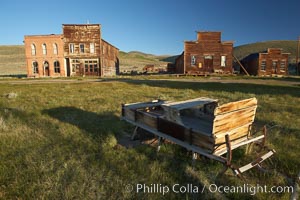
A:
[179,63]
[110,60]
[273,62]
[204,55]
[78,42]
[81,51]
[81,34]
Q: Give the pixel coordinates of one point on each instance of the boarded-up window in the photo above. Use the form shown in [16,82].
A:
[35,67]
[33,50]
[71,48]
[92,47]
[193,60]
[282,65]
[263,65]
[81,47]
[44,47]
[223,61]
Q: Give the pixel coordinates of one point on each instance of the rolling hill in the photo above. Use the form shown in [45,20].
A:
[288,46]
[135,60]
[12,58]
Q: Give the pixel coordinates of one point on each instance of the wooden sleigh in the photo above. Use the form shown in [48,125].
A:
[202,126]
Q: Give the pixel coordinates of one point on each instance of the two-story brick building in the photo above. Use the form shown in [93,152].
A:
[79,51]
[206,55]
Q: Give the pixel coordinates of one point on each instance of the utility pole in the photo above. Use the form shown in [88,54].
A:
[297,57]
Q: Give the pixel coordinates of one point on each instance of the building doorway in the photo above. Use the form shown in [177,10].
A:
[46,69]
[68,67]
[208,63]
[274,66]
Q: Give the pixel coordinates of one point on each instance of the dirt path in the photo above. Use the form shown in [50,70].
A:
[121,79]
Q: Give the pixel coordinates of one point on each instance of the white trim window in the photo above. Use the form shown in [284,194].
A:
[44,47]
[193,60]
[71,48]
[223,61]
[92,48]
[33,50]
[55,49]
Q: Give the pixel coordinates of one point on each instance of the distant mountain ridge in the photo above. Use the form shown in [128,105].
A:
[288,46]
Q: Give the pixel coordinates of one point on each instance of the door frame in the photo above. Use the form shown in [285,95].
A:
[46,72]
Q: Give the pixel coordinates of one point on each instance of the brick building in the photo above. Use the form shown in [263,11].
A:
[268,63]
[206,55]
[79,51]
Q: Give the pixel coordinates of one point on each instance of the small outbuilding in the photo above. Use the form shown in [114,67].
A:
[272,62]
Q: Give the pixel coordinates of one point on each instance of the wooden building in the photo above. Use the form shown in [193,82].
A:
[79,51]
[206,55]
[270,63]
[148,68]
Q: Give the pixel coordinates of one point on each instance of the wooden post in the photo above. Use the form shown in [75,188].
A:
[241,65]
[194,157]
[159,143]
[134,133]
[297,57]
[229,151]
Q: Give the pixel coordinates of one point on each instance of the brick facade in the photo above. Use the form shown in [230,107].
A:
[43,52]
[79,51]
[206,55]
[270,63]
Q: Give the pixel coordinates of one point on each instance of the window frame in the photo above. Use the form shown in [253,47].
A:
[55,49]
[282,66]
[81,50]
[72,48]
[263,67]
[56,67]
[44,48]
[35,68]
[223,61]
[193,60]
[92,48]
[33,49]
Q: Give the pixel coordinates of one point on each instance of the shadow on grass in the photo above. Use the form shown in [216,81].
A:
[250,88]
[92,123]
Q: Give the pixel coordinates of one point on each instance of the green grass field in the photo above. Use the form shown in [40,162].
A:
[59,141]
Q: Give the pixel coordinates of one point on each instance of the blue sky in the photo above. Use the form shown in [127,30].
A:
[154,26]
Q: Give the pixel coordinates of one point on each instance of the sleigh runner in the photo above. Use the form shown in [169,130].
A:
[201,126]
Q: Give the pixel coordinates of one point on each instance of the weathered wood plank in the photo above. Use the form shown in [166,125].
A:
[179,142]
[232,120]
[235,106]
[135,106]
[180,105]
[238,132]
[129,114]
[147,119]
[221,149]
